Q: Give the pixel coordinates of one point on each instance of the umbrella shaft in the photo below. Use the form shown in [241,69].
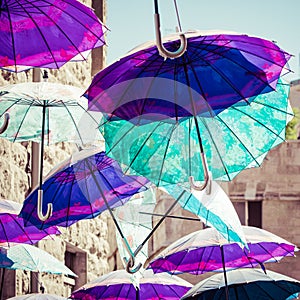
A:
[224,271]
[157,225]
[42,146]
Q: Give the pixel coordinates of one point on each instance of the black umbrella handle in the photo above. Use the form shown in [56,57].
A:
[5,124]
[162,50]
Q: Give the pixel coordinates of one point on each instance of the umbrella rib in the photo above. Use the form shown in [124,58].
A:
[72,119]
[259,122]
[249,52]
[223,76]
[38,28]
[245,51]
[132,82]
[106,203]
[26,112]
[23,230]
[199,85]
[215,146]
[70,196]
[165,154]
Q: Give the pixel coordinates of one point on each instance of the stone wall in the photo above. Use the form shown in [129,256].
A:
[88,237]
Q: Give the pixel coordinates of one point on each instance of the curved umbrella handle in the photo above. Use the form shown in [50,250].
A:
[40,214]
[130,265]
[206,176]
[5,124]
[162,50]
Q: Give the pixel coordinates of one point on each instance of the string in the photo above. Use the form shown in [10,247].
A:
[177,14]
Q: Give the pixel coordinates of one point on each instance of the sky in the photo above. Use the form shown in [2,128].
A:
[131,22]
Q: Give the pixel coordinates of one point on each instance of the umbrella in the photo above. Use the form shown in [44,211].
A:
[47,113]
[134,225]
[82,187]
[171,152]
[217,70]
[12,229]
[30,258]
[206,250]
[119,285]
[209,209]
[243,284]
[38,297]
[46,33]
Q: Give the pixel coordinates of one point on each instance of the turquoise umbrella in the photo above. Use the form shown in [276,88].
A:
[31,258]
[171,152]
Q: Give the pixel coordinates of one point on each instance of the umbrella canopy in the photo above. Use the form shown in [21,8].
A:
[243,284]
[38,297]
[47,113]
[12,229]
[30,258]
[46,33]
[171,152]
[206,250]
[134,225]
[63,108]
[137,226]
[82,187]
[216,71]
[119,285]
[209,207]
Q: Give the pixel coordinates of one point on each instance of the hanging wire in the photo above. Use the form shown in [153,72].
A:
[178,17]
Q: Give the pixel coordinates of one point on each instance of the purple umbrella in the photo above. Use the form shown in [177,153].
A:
[12,229]
[118,285]
[81,188]
[216,71]
[46,33]
[206,250]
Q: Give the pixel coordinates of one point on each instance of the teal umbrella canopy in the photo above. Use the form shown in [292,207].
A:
[31,258]
[60,107]
[170,152]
